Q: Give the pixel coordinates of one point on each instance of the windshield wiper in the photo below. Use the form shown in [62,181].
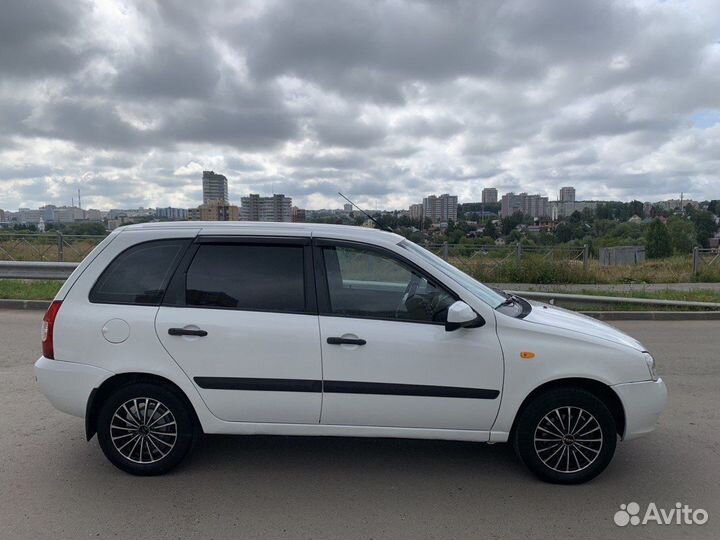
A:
[510,299]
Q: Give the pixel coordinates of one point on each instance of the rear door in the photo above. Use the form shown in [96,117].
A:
[240,319]
[387,359]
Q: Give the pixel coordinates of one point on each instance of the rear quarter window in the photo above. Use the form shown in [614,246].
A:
[140,274]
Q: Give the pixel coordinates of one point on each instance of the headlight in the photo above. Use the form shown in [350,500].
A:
[650,361]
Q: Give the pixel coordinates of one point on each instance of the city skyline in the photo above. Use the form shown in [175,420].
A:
[384,101]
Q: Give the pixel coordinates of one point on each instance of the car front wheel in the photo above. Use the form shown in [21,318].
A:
[145,429]
[566,436]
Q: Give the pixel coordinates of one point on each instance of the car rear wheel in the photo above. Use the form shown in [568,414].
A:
[145,429]
[566,436]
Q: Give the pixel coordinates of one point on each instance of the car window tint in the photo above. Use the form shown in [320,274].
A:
[252,277]
[366,283]
[139,275]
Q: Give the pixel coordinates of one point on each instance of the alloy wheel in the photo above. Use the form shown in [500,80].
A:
[143,430]
[568,439]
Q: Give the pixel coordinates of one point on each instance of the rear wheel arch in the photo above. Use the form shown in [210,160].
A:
[112,384]
[599,389]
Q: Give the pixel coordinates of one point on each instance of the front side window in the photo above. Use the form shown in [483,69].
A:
[247,277]
[367,283]
[139,274]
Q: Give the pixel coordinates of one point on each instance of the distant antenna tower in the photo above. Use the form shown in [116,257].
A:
[79,204]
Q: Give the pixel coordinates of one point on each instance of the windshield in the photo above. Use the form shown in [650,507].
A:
[483,292]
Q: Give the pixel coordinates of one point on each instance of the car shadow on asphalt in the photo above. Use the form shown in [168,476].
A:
[330,455]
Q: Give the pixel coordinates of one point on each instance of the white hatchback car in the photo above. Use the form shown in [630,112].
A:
[167,331]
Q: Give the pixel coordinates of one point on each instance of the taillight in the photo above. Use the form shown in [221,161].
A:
[47,329]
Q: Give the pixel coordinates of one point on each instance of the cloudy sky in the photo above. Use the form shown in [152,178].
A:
[385,101]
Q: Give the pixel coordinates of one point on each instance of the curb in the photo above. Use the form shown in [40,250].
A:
[24,304]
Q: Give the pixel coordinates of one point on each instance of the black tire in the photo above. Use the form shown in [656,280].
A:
[146,404]
[562,455]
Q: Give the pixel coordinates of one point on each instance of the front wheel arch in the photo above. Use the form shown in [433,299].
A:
[112,384]
[600,390]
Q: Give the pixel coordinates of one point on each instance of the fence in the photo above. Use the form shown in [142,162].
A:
[622,255]
[487,262]
[54,247]
[703,258]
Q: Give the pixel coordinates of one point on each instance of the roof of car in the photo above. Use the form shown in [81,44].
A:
[272,228]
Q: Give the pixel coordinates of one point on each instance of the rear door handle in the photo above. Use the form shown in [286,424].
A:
[186,332]
[345,341]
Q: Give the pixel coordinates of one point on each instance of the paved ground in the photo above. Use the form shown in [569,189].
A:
[55,485]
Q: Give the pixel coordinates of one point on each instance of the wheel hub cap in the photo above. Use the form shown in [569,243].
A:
[568,439]
[143,430]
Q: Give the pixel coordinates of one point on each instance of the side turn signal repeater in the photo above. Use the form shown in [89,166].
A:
[527,355]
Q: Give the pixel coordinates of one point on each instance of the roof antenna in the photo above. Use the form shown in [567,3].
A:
[375,221]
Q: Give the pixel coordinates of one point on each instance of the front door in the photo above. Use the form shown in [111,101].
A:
[387,358]
[240,320]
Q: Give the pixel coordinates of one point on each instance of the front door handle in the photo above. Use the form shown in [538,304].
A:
[186,332]
[345,341]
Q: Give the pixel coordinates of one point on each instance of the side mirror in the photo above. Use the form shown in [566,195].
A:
[460,315]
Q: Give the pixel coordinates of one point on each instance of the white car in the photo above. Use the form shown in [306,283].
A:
[168,331]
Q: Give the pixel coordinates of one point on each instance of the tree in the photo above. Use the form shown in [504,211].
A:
[704,224]
[563,232]
[491,230]
[682,234]
[509,223]
[636,208]
[658,244]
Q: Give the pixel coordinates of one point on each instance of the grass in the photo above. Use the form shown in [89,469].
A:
[542,270]
[29,290]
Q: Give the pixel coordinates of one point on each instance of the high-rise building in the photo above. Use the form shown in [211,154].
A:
[530,205]
[416,212]
[489,195]
[215,187]
[567,194]
[440,209]
[257,208]
[171,214]
[214,210]
[298,215]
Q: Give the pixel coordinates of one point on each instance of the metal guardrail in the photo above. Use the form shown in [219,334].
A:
[36,270]
[593,299]
[61,271]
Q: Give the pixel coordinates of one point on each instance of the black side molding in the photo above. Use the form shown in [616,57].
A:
[391,389]
[267,385]
[343,387]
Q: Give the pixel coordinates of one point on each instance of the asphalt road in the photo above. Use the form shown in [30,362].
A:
[53,484]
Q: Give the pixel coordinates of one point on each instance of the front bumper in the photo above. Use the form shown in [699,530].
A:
[68,385]
[643,402]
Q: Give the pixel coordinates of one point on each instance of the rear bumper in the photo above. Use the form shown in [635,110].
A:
[68,385]
[643,402]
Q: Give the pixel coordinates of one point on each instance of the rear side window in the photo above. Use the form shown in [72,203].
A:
[139,274]
[250,277]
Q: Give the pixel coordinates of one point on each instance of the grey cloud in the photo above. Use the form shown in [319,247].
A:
[241,128]
[172,70]
[39,39]
[606,120]
[348,132]
[438,128]
[386,100]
